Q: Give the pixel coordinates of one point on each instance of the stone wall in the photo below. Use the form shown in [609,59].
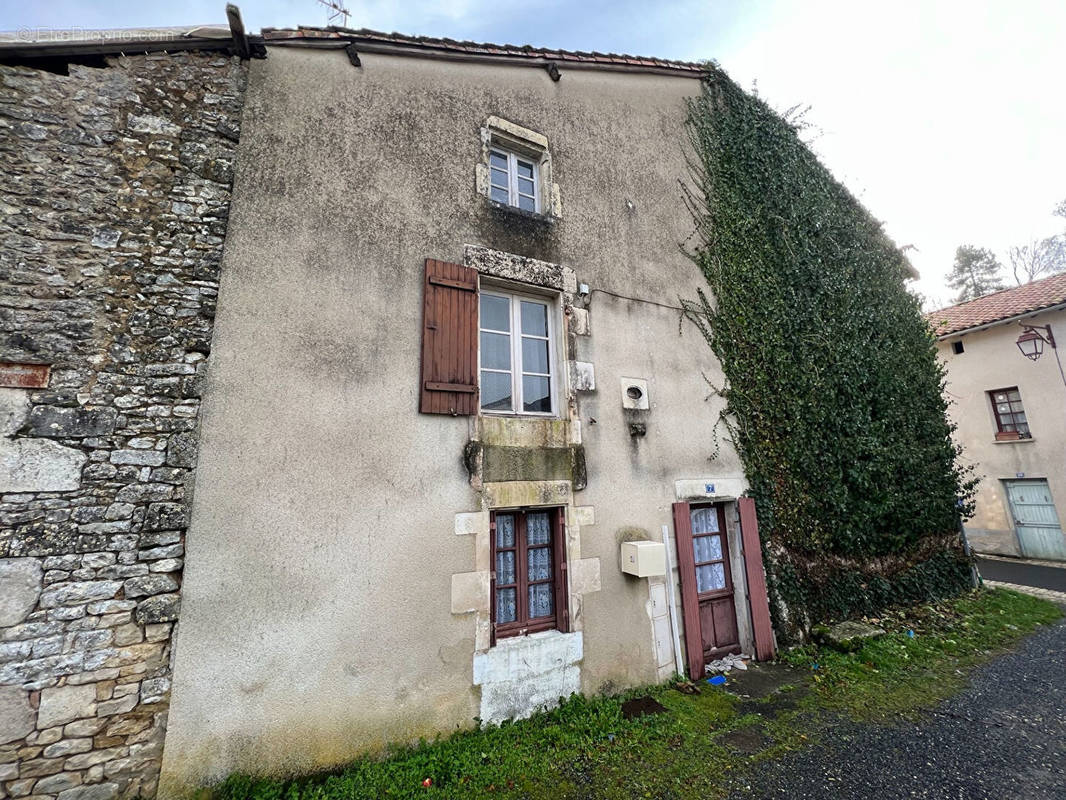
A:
[113,206]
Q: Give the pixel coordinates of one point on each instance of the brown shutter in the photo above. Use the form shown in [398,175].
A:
[449,340]
[562,581]
[690,604]
[760,604]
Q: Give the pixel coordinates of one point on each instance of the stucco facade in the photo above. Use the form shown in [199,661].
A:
[336,592]
[990,361]
[251,520]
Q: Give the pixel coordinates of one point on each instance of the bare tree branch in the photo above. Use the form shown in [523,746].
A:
[1038,258]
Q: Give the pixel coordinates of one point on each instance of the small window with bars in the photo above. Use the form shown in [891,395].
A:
[1011,422]
[513,180]
[528,584]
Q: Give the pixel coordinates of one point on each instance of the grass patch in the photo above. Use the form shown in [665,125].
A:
[586,748]
[924,657]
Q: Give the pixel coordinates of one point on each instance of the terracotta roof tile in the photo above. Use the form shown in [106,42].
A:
[1008,303]
[477,48]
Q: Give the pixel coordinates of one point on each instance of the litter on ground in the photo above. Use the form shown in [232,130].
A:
[726,663]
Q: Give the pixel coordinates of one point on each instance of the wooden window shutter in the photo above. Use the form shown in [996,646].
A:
[449,340]
[562,579]
[690,604]
[753,568]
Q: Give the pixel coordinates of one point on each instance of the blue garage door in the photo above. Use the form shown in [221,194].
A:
[1035,520]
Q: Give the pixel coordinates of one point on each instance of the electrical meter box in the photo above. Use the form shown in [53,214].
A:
[644,558]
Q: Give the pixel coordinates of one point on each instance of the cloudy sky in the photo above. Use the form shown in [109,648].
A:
[947,119]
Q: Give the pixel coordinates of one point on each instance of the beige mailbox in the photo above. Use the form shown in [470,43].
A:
[644,558]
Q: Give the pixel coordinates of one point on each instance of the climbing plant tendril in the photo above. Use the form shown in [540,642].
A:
[833,390]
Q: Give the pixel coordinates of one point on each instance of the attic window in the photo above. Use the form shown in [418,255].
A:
[515,169]
[957,348]
[513,180]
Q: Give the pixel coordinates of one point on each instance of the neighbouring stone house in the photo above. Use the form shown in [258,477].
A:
[457,453]
[1008,390]
[114,196]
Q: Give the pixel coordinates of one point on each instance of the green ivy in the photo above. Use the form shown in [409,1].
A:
[834,392]
[843,593]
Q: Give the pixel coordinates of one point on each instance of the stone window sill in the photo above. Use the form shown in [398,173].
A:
[514,415]
[532,216]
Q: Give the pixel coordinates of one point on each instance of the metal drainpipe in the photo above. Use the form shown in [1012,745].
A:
[975,576]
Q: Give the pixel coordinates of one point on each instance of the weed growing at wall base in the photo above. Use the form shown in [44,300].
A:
[587,748]
[834,393]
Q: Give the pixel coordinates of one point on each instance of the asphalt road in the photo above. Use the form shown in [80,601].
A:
[1023,573]
[1003,737]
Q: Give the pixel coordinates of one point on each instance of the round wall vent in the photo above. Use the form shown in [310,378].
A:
[634,393]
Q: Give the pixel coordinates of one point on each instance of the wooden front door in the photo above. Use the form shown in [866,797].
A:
[706,584]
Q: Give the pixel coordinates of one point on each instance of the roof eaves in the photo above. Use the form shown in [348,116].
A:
[396,43]
[980,326]
[14,46]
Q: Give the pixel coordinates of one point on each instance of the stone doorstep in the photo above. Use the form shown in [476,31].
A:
[1047,594]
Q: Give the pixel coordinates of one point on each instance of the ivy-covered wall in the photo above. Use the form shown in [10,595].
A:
[834,393]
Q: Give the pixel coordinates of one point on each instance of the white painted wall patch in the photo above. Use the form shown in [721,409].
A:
[524,674]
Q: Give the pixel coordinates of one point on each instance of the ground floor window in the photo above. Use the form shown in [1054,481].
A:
[1010,415]
[529,571]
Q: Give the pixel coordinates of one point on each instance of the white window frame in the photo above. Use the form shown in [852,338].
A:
[512,177]
[517,400]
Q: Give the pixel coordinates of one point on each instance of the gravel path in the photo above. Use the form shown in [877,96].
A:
[1003,737]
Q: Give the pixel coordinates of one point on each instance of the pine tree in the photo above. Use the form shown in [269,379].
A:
[976,272]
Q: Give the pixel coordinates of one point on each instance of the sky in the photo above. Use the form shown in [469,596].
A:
[946,119]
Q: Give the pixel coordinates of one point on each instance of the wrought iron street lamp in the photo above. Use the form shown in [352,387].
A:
[1031,342]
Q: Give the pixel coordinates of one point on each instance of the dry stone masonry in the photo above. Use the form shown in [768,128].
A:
[113,205]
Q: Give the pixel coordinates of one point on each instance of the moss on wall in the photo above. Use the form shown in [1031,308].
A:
[527,464]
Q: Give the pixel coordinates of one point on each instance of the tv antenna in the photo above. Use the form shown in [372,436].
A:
[335,11]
